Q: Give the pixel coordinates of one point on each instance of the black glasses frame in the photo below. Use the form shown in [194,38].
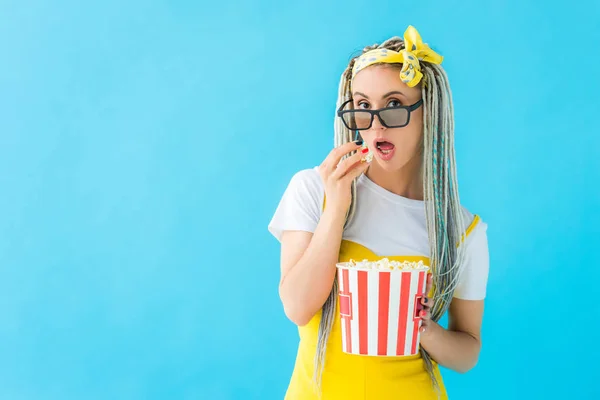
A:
[373,113]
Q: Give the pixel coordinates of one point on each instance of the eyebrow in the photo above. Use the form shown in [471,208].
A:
[384,96]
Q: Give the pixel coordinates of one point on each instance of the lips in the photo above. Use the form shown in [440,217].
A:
[385,148]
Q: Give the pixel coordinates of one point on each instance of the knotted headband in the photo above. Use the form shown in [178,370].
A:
[414,51]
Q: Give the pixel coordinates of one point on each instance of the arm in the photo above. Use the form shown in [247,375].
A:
[457,347]
[308,259]
[308,266]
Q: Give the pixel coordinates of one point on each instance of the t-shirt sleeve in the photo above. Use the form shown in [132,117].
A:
[300,207]
[472,283]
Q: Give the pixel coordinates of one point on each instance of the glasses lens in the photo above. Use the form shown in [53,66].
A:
[357,120]
[395,117]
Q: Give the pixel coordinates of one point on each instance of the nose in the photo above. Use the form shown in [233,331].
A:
[377,123]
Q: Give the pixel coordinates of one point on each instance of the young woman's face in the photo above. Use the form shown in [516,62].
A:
[379,86]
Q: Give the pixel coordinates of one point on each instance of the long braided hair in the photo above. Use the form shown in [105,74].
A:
[443,212]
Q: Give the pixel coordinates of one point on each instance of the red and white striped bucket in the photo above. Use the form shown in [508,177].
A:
[380,308]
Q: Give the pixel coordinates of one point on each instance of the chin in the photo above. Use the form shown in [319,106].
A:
[391,165]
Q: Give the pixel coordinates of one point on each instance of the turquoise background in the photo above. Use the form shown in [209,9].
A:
[144,146]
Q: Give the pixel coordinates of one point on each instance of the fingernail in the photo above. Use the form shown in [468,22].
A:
[364,151]
[423,313]
[358,142]
[425,300]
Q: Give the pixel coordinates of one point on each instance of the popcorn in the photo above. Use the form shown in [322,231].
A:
[369,157]
[386,264]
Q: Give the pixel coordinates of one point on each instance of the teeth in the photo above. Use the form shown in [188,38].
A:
[384,151]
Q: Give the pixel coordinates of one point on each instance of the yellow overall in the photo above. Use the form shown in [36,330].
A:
[349,377]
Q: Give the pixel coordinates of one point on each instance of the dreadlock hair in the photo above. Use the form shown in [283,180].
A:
[443,212]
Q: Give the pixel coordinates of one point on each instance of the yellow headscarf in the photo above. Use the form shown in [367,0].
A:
[414,50]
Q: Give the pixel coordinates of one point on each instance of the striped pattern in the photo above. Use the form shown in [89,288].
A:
[379,311]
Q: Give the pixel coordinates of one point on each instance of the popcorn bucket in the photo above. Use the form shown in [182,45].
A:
[379,307]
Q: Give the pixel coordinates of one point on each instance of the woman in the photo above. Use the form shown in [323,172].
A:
[403,205]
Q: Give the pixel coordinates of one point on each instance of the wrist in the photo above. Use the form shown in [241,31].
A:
[335,214]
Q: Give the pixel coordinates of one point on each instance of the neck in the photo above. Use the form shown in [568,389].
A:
[406,182]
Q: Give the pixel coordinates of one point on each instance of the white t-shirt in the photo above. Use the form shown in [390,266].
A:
[384,222]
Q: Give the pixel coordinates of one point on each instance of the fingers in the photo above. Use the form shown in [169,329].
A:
[346,165]
[356,171]
[429,283]
[424,326]
[333,159]
[425,313]
[427,302]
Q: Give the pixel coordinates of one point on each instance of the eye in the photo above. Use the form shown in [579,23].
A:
[394,103]
[363,104]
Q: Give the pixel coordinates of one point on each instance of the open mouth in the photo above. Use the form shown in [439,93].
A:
[384,147]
